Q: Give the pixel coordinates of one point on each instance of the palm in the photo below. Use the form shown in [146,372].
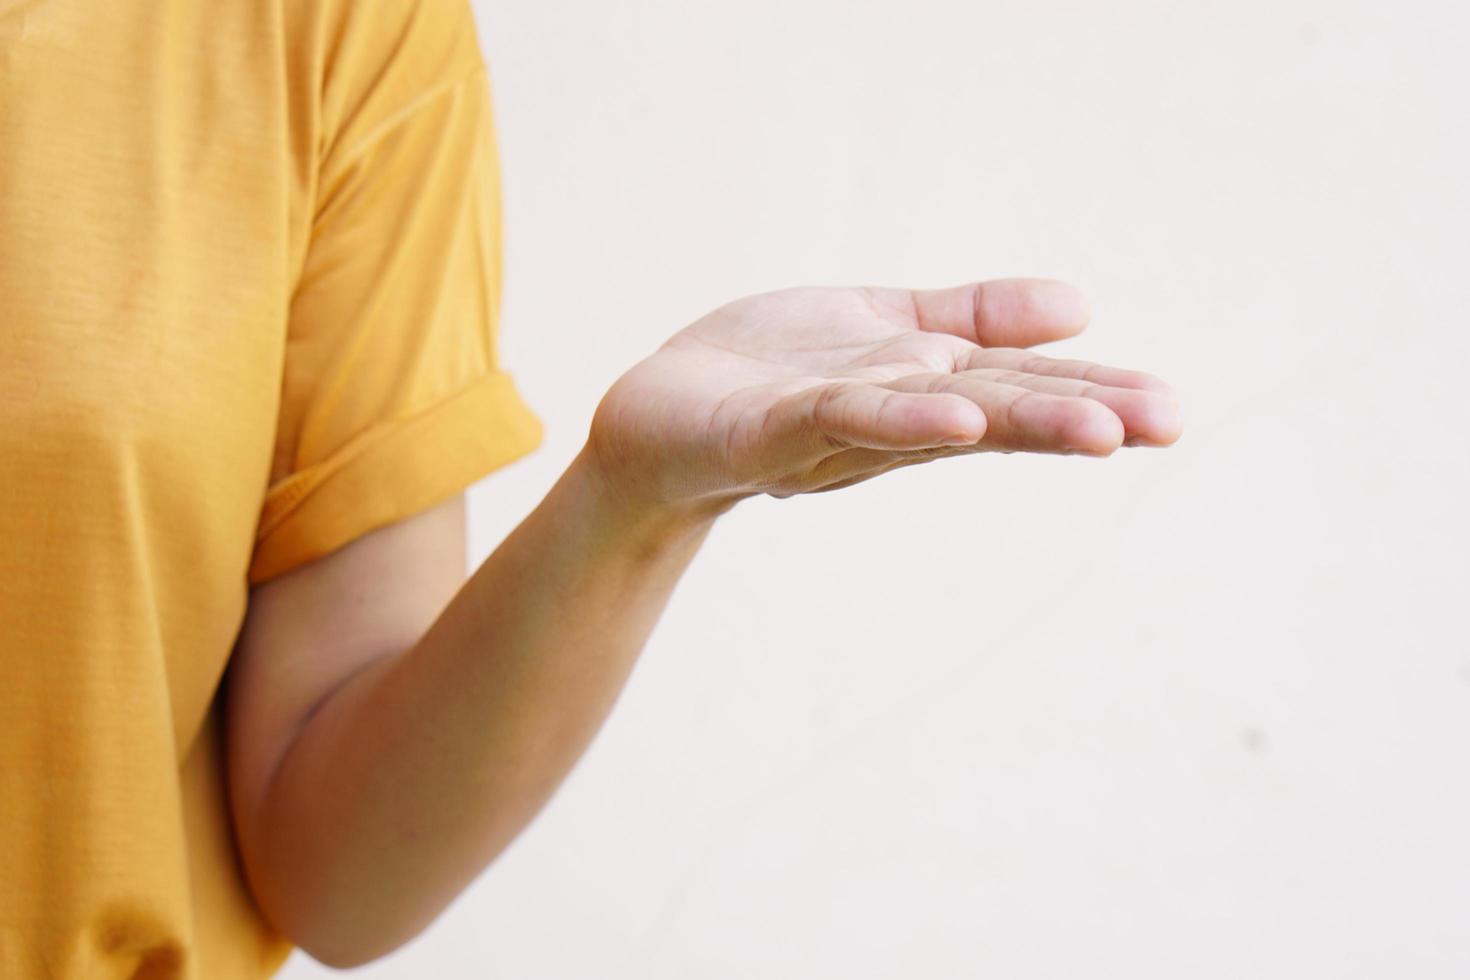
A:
[810,389]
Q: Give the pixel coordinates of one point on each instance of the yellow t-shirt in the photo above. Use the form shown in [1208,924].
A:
[248,290]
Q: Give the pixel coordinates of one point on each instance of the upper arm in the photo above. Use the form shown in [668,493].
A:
[392,394]
[309,630]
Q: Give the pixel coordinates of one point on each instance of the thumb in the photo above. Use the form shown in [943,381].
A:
[1004,312]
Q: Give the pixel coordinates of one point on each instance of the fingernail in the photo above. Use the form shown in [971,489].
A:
[957,441]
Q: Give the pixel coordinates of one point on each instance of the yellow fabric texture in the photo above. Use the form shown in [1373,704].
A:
[249,282]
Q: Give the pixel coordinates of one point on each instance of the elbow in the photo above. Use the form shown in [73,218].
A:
[340,942]
[334,958]
[341,928]
[339,956]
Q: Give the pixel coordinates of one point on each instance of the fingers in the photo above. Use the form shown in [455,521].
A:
[1026,362]
[1149,417]
[1019,418]
[850,466]
[1001,399]
[1003,312]
[845,414]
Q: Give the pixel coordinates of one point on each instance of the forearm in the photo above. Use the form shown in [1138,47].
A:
[415,774]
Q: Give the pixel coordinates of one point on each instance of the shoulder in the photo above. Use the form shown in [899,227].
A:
[367,58]
[359,64]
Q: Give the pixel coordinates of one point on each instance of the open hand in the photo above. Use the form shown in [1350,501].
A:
[811,389]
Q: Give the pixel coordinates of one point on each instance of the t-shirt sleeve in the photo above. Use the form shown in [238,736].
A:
[393,398]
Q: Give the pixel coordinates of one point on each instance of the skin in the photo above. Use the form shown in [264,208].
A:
[393,725]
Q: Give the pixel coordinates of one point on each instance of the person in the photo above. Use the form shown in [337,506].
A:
[249,276]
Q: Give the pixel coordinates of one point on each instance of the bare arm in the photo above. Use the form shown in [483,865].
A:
[424,765]
[376,768]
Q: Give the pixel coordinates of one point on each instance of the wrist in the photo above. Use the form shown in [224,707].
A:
[630,501]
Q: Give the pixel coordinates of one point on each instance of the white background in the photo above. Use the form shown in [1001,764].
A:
[1200,712]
